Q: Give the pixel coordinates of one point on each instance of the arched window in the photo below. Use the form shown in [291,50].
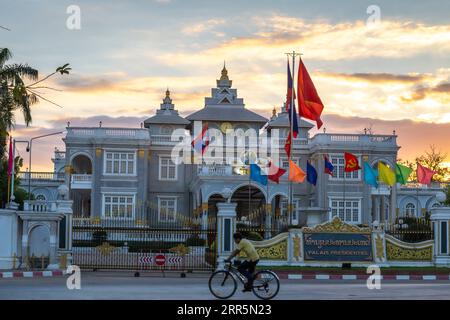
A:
[410,209]
[166,130]
[40,197]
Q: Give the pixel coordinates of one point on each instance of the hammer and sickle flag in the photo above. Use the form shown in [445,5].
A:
[351,162]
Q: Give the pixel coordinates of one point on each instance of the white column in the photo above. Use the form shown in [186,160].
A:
[440,217]
[226,226]
[8,239]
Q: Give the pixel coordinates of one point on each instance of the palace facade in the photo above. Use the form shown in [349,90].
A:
[122,173]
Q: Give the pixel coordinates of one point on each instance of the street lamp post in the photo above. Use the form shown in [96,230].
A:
[29,160]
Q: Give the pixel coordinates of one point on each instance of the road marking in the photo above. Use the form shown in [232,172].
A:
[429,277]
[349,277]
[322,277]
[7,274]
[47,273]
[295,276]
[402,277]
[28,274]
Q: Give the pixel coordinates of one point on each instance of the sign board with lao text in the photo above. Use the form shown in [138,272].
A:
[336,241]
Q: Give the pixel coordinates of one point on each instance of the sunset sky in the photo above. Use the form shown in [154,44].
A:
[392,75]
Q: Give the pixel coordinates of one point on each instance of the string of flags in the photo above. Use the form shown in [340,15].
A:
[400,174]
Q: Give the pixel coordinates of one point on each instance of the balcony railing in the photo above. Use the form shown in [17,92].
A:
[39,206]
[60,155]
[89,132]
[159,139]
[42,176]
[433,186]
[81,181]
[357,139]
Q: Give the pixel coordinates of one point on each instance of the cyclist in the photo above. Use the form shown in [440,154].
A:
[247,268]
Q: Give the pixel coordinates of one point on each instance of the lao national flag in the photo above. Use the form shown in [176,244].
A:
[328,166]
[201,142]
[290,101]
[311,174]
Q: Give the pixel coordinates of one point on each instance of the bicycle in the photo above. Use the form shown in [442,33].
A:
[223,283]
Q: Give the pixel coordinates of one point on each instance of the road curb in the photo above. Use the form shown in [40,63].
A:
[400,277]
[31,274]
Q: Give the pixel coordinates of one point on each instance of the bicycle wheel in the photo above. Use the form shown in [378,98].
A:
[266,284]
[222,284]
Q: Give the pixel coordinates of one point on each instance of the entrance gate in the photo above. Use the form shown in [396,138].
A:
[148,244]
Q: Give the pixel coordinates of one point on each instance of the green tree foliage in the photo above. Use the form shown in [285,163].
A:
[16,95]
[19,193]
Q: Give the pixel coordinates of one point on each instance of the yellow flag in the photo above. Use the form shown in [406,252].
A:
[386,175]
[296,174]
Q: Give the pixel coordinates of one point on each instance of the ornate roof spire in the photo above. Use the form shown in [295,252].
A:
[167,100]
[224,80]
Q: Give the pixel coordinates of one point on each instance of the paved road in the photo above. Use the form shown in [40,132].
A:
[122,285]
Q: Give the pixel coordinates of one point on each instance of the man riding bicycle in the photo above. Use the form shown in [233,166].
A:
[247,268]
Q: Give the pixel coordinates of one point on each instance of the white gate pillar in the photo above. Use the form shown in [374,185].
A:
[226,226]
[440,217]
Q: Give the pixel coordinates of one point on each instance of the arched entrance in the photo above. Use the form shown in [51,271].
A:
[81,174]
[249,199]
[81,164]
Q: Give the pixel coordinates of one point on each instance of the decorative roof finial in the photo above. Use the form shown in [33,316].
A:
[167,100]
[274,112]
[224,72]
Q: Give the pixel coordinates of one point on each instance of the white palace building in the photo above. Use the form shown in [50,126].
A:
[121,172]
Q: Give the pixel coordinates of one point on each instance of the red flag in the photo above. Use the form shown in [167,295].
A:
[10,157]
[309,104]
[287,145]
[275,173]
[424,175]
[351,162]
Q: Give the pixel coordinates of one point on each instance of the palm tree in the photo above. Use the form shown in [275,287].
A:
[13,92]
[16,95]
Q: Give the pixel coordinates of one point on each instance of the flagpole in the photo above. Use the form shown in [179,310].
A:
[11,195]
[291,122]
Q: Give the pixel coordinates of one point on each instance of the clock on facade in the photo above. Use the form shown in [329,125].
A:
[226,126]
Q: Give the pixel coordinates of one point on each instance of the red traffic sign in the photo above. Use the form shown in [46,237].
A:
[160,260]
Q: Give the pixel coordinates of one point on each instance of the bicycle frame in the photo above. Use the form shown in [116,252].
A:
[235,273]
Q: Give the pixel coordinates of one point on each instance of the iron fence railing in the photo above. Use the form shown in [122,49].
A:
[411,229]
[143,244]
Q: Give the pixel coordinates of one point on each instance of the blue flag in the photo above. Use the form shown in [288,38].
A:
[370,175]
[255,174]
[311,174]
